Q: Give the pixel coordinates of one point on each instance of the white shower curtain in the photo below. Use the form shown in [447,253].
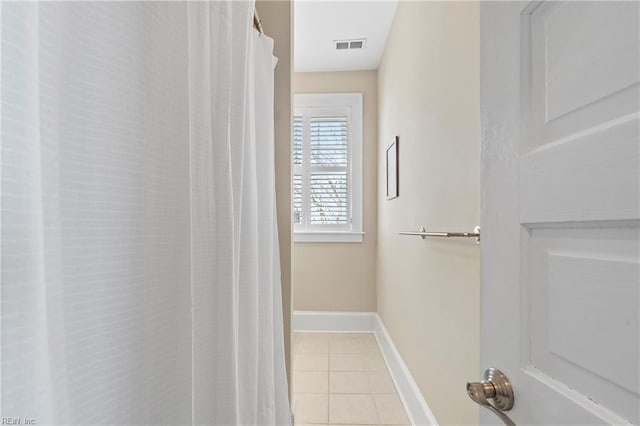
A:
[140,271]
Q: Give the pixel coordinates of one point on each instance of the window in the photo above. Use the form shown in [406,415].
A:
[327,168]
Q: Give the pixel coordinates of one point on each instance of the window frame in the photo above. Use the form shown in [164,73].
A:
[331,104]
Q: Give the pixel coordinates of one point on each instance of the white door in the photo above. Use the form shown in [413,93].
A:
[560,210]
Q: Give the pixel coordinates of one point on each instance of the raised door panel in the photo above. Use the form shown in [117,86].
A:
[579,204]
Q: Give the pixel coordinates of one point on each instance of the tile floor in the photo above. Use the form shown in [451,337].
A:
[341,379]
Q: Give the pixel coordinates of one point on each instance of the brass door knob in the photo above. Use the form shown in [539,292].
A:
[494,392]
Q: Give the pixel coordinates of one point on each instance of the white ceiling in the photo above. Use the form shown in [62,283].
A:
[319,23]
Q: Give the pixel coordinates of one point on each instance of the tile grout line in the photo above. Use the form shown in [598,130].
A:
[368,372]
[328,384]
[375,404]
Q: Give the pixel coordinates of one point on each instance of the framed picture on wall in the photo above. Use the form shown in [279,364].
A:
[393,172]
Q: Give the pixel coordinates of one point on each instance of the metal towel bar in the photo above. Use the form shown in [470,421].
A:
[423,233]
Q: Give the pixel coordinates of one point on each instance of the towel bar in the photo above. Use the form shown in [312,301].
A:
[423,233]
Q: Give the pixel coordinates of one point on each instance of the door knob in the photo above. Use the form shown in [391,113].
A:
[494,392]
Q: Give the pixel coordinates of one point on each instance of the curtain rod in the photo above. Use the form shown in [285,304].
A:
[257,23]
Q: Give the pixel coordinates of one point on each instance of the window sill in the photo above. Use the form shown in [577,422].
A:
[328,237]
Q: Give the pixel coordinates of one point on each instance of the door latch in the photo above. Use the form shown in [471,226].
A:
[494,393]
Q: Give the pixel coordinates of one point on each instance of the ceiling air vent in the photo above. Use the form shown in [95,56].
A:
[350,44]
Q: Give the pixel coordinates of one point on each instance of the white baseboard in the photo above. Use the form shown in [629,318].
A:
[369,322]
[417,408]
[334,322]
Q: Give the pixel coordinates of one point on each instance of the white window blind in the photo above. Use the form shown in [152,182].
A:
[297,140]
[329,199]
[324,182]
[296,197]
[329,141]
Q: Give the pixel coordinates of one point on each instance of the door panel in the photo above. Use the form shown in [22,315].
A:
[561,208]
[579,64]
[585,177]
[580,78]
[576,276]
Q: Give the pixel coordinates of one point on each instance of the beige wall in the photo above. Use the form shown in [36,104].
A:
[428,290]
[276,19]
[342,276]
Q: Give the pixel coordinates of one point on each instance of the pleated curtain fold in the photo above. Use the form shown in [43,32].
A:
[140,270]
